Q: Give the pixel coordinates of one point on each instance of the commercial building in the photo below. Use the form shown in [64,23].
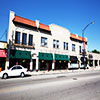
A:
[93,59]
[37,46]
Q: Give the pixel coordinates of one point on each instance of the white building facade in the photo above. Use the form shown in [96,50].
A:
[37,46]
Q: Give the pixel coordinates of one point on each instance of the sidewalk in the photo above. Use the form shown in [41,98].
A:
[34,73]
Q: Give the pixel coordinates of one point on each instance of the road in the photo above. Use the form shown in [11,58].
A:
[65,86]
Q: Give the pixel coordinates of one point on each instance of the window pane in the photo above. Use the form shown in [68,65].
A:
[43,41]
[64,46]
[80,49]
[24,38]
[54,43]
[18,67]
[17,37]
[73,47]
[57,44]
[30,39]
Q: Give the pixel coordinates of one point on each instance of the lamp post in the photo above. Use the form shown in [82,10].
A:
[84,51]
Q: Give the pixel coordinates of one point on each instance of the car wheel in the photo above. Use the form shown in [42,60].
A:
[5,76]
[22,74]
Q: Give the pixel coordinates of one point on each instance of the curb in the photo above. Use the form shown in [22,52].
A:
[61,71]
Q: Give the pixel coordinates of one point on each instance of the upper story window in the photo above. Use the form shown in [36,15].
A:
[43,41]
[24,39]
[80,49]
[73,47]
[30,40]
[65,46]
[17,37]
[55,43]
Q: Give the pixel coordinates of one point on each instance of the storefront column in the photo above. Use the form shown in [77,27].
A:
[31,65]
[98,63]
[7,63]
[37,64]
[79,63]
[68,65]
[94,63]
[53,65]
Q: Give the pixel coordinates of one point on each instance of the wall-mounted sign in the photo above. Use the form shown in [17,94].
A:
[3,45]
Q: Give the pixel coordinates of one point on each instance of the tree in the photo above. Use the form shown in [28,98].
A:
[96,51]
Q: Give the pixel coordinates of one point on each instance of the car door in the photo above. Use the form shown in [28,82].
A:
[13,71]
[19,70]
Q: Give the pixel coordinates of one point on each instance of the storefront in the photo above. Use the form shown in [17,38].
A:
[74,62]
[73,59]
[90,62]
[3,55]
[84,60]
[19,57]
[45,61]
[61,61]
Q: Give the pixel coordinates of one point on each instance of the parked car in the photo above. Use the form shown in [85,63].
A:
[16,70]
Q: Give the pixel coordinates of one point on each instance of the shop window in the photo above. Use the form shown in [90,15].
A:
[73,47]
[65,46]
[24,39]
[17,37]
[30,39]
[43,42]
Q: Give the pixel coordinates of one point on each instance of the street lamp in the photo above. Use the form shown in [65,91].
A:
[84,51]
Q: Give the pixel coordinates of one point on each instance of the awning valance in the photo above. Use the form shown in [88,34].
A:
[19,54]
[45,56]
[61,57]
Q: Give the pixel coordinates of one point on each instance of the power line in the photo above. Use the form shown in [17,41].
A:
[4,34]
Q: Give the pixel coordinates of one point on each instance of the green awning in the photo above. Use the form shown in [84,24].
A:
[19,54]
[45,56]
[61,57]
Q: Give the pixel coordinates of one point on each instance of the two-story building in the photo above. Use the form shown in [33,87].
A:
[37,46]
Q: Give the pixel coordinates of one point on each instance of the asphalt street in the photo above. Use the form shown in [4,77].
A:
[64,86]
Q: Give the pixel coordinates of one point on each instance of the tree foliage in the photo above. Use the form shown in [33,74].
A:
[96,51]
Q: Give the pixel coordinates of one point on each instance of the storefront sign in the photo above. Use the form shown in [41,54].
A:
[61,57]
[3,53]
[19,54]
[45,56]
[3,45]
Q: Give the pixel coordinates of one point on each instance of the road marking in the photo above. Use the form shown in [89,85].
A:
[11,89]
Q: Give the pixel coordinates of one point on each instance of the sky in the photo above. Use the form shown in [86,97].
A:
[71,14]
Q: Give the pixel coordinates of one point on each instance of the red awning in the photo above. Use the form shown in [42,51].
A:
[3,53]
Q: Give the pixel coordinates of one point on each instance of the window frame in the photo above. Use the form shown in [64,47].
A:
[73,47]
[17,37]
[65,45]
[55,44]
[44,42]
[80,49]
[24,39]
[30,42]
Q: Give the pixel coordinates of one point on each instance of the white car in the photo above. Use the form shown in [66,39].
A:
[16,70]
